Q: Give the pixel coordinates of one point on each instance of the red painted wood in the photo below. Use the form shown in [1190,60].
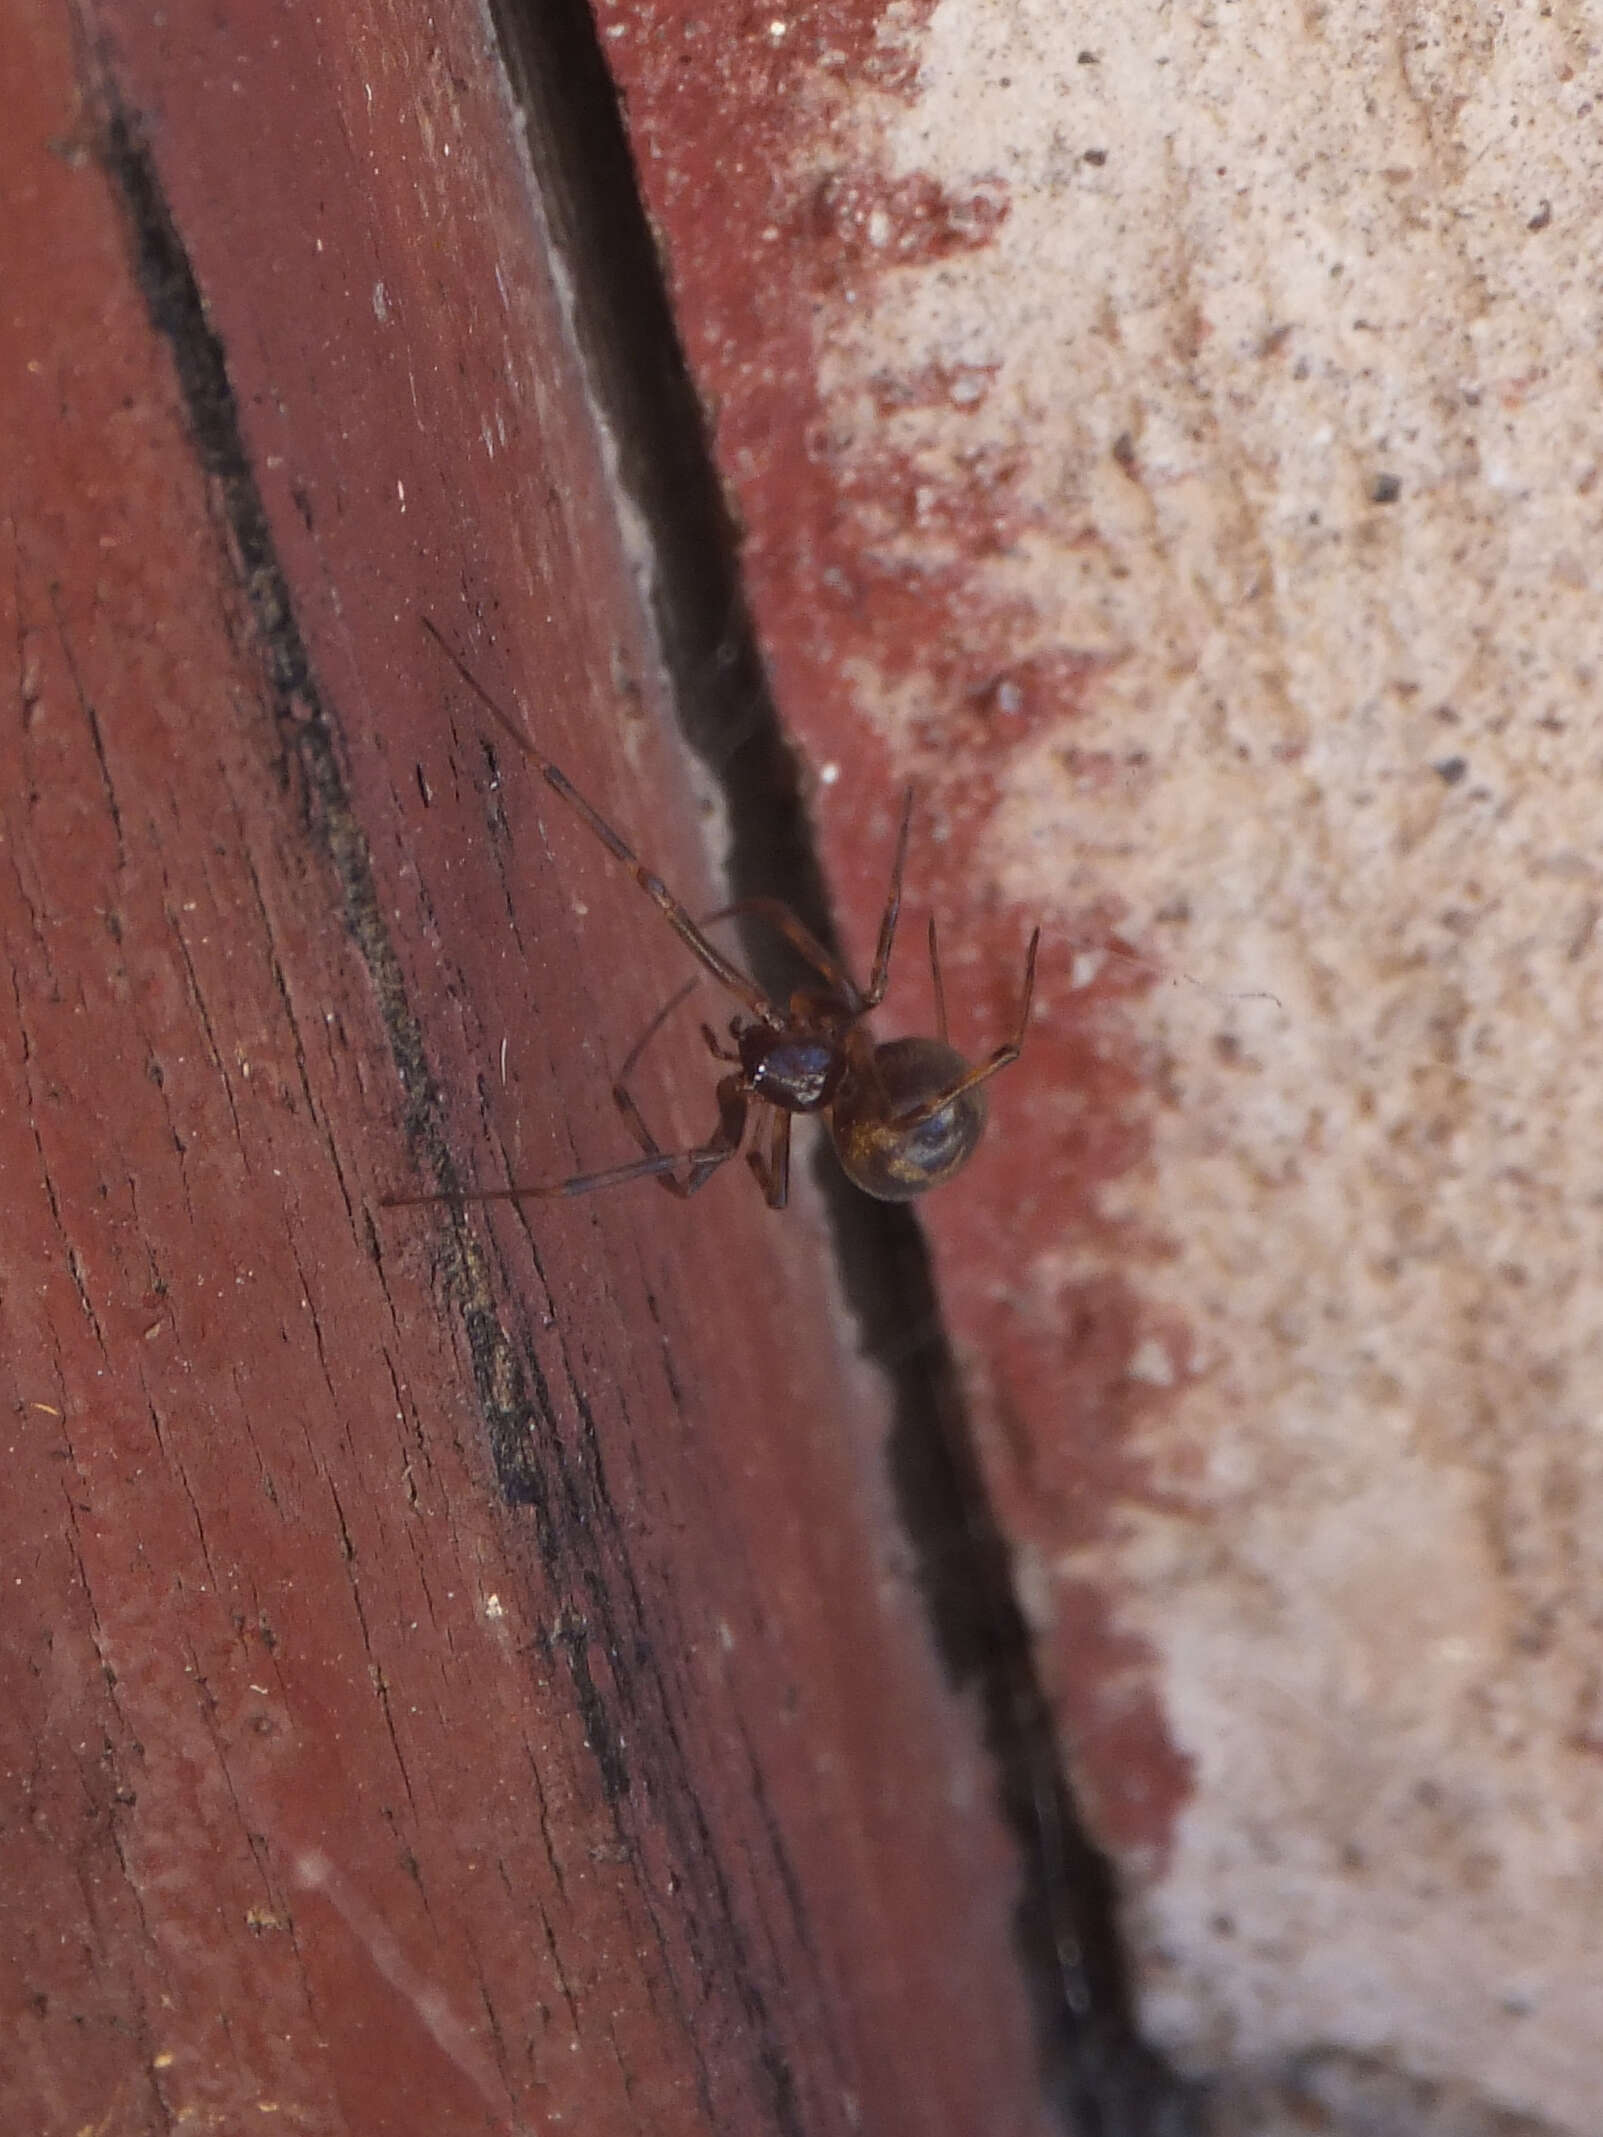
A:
[457,1675]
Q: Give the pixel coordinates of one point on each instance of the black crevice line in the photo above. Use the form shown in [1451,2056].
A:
[517,1405]
[1102,2078]
[520,1416]
[521,1420]
[524,1431]
[177,311]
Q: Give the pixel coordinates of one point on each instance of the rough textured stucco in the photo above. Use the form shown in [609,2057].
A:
[1175,441]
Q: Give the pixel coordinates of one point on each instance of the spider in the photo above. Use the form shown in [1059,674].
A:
[903,1116]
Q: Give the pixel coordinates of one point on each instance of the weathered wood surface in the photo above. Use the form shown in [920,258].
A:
[457,1675]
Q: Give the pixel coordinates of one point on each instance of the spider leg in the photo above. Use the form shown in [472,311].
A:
[801,939]
[772,1173]
[880,978]
[700,1161]
[1004,1056]
[678,917]
[652,1029]
[940,986]
[627,1104]
[716,1047]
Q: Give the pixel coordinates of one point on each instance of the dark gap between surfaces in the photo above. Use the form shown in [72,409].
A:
[1103,2080]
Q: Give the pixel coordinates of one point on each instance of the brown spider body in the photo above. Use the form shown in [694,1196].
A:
[798,1067]
[903,1117]
[888,1145]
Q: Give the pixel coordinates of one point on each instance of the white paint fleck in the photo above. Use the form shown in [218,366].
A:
[1151,1364]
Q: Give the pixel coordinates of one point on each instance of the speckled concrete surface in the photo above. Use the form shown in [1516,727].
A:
[1175,440]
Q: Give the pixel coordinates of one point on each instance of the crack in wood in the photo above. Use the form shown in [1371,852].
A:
[1101,2076]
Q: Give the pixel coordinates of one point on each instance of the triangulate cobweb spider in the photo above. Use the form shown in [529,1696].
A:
[904,1116]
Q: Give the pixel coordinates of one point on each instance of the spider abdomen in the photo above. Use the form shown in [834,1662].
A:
[883,1151]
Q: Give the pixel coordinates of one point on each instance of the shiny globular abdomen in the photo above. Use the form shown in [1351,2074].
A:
[881,1153]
